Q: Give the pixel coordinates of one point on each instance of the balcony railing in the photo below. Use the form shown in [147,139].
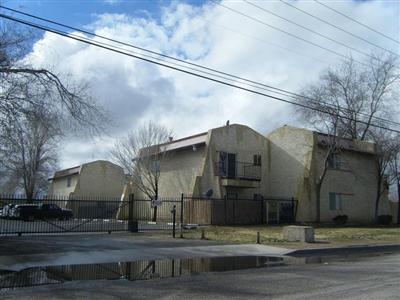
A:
[238,170]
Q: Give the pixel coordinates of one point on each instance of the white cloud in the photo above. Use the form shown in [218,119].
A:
[112,2]
[135,91]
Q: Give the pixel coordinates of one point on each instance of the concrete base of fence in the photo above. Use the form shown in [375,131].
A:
[298,234]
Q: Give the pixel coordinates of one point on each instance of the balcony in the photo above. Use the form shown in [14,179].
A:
[238,174]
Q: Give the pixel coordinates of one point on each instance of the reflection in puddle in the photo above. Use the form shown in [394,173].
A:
[136,270]
[163,268]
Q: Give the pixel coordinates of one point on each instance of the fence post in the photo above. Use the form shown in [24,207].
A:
[132,224]
[293,217]
[278,210]
[173,211]
[262,210]
[181,218]
[225,199]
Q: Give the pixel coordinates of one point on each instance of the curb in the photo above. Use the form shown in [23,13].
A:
[345,250]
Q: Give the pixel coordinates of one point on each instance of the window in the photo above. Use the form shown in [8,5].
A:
[257,160]
[156,167]
[231,196]
[222,170]
[334,161]
[69,179]
[335,201]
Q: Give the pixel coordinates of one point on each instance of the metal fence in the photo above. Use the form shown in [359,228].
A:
[100,214]
[227,211]
[60,215]
[162,214]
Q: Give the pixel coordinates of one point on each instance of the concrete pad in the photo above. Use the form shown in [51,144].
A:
[294,233]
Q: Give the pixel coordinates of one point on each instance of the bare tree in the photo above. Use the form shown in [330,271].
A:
[24,87]
[388,150]
[330,145]
[346,101]
[28,152]
[361,93]
[37,106]
[141,154]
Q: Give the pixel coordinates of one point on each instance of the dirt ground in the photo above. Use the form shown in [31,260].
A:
[272,235]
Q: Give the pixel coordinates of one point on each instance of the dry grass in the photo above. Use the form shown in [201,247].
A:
[272,235]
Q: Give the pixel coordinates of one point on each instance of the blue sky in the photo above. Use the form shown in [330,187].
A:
[81,12]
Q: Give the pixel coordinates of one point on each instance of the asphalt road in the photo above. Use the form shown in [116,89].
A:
[358,277]
[363,275]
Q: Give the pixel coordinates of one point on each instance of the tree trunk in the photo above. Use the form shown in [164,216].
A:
[318,203]
[29,197]
[378,197]
[398,203]
[154,219]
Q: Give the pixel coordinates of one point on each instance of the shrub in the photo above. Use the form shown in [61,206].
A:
[340,219]
[384,219]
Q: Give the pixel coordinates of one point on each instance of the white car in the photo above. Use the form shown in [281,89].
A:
[7,210]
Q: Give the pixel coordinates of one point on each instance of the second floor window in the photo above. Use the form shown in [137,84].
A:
[69,180]
[335,161]
[257,160]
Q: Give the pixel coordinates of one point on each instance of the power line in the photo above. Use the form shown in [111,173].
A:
[230,77]
[147,50]
[264,41]
[263,86]
[337,27]
[283,31]
[358,22]
[109,47]
[280,91]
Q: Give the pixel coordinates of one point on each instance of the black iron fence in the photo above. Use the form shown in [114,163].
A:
[160,214]
[227,211]
[52,214]
[99,214]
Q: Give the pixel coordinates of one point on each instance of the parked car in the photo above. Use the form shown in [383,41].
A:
[7,210]
[14,212]
[42,211]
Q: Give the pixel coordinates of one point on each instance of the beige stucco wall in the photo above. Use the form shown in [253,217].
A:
[245,143]
[296,162]
[179,170]
[193,172]
[289,165]
[95,179]
[58,186]
[356,181]
[100,178]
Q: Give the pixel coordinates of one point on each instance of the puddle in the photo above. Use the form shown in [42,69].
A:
[135,270]
[151,269]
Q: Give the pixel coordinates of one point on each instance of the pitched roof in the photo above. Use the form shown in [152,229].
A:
[66,172]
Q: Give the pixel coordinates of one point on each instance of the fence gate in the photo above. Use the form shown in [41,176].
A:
[155,215]
[57,215]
